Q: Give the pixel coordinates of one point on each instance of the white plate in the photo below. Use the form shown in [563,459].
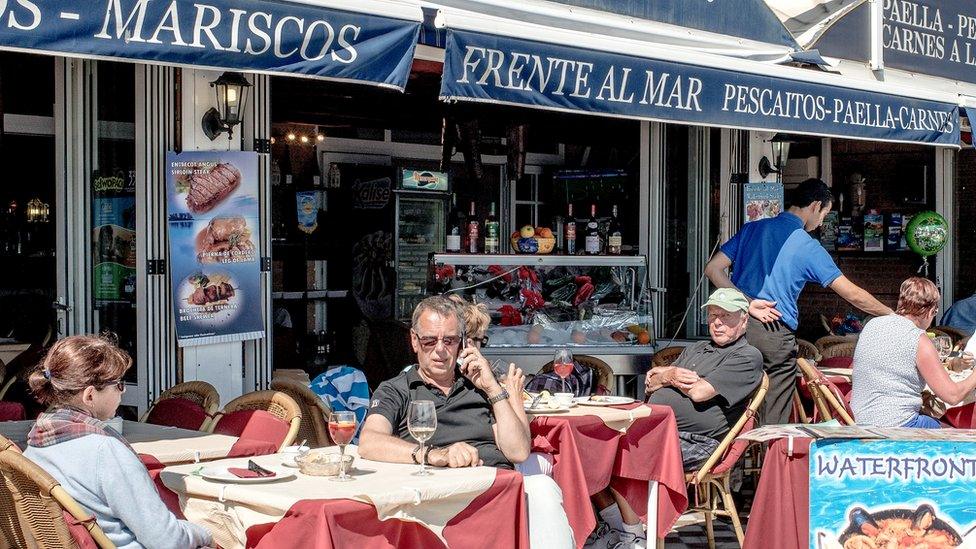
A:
[609,401]
[221,474]
[546,410]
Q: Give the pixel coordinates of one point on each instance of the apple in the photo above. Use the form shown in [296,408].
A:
[527,231]
[544,232]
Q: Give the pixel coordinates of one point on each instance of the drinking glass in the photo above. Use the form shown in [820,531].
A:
[943,344]
[422,422]
[342,427]
[562,364]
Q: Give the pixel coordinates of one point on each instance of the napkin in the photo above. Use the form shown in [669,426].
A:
[240,472]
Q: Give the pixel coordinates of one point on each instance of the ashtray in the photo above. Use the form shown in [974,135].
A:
[322,464]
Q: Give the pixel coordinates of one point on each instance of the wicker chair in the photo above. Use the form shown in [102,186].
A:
[315,412]
[826,341]
[666,356]
[955,334]
[828,403]
[602,372]
[807,350]
[275,403]
[711,480]
[840,349]
[32,506]
[199,392]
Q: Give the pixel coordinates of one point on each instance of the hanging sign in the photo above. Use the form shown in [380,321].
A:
[307,203]
[762,200]
[915,492]
[489,68]
[252,35]
[215,269]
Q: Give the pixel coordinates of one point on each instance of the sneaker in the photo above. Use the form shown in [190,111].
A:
[603,537]
[630,541]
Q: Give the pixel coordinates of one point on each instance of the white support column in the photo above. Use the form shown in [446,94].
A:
[652,149]
[945,260]
[699,235]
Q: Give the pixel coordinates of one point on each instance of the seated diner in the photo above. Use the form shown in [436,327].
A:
[81,380]
[895,359]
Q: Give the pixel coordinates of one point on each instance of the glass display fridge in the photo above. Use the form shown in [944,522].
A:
[419,227]
[592,305]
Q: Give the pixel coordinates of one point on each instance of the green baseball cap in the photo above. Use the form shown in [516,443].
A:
[729,299]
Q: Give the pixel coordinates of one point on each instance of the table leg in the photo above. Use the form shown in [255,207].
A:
[652,488]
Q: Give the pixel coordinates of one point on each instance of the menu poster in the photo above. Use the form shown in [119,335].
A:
[868,493]
[212,208]
[114,248]
[762,200]
[874,235]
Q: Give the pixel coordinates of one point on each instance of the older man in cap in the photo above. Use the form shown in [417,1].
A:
[709,385]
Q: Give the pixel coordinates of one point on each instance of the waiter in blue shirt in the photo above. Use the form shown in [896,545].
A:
[771,261]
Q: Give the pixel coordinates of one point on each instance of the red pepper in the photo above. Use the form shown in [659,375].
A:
[583,293]
[510,316]
[583,279]
[497,270]
[444,272]
[533,299]
[526,273]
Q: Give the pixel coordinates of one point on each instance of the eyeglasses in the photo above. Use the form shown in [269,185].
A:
[430,342]
[119,384]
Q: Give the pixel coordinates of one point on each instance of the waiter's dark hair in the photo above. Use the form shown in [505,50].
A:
[810,191]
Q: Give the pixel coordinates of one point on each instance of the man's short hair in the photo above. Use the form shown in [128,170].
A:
[810,191]
[441,305]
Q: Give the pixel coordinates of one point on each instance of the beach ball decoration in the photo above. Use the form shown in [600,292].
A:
[927,233]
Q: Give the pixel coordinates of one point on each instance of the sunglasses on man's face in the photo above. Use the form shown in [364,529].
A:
[428,343]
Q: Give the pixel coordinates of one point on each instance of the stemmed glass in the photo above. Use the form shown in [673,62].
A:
[943,344]
[342,427]
[562,364]
[422,422]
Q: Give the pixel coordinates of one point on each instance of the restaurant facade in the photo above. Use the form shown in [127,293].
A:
[666,118]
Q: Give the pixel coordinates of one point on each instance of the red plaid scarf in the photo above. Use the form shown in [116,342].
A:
[68,423]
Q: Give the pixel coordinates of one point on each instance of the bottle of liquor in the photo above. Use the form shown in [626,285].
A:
[456,227]
[615,234]
[491,232]
[569,241]
[474,228]
[592,243]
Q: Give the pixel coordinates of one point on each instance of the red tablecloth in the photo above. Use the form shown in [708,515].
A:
[961,417]
[495,519]
[781,508]
[589,456]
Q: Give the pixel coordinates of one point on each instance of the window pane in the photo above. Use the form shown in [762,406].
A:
[676,229]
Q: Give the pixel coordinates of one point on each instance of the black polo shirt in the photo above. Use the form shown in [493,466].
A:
[464,415]
[734,371]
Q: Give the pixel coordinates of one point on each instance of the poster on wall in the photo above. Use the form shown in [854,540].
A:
[114,248]
[913,492]
[762,200]
[215,269]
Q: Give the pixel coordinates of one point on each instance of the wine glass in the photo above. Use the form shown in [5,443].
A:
[943,344]
[422,422]
[562,364]
[342,427]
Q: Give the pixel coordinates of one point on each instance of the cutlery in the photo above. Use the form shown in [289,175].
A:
[261,471]
[535,401]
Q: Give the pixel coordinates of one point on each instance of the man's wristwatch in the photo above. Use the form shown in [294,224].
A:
[498,398]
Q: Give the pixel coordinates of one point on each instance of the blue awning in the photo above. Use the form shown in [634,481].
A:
[501,69]
[368,41]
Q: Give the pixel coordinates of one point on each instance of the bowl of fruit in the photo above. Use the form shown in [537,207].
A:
[533,240]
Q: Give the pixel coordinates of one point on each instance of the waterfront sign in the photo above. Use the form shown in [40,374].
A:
[489,68]
[253,35]
[215,270]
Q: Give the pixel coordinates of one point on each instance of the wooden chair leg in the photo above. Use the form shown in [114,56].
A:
[707,508]
[729,504]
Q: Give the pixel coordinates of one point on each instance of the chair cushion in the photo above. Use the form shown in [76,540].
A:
[734,451]
[12,411]
[178,412]
[78,532]
[836,362]
[253,425]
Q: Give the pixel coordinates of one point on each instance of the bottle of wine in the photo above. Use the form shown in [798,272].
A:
[592,243]
[615,234]
[569,225]
[474,230]
[456,227]
[491,232]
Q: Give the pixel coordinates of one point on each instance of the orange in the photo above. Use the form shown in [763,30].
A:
[643,337]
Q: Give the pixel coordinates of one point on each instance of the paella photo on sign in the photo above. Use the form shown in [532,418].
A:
[894,528]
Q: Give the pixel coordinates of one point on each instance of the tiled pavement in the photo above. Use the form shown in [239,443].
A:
[690,533]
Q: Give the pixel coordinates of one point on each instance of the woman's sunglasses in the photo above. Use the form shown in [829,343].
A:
[119,384]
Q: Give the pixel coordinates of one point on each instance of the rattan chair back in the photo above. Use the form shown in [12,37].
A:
[666,356]
[32,506]
[314,427]
[198,392]
[807,350]
[826,402]
[840,349]
[602,373]
[955,333]
[830,340]
[275,403]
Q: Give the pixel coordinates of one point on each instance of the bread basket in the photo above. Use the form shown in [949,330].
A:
[322,464]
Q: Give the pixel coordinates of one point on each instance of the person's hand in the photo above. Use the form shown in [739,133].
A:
[475,367]
[966,361]
[459,454]
[514,382]
[684,378]
[764,311]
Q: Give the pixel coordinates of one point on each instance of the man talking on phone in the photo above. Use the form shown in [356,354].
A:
[476,424]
